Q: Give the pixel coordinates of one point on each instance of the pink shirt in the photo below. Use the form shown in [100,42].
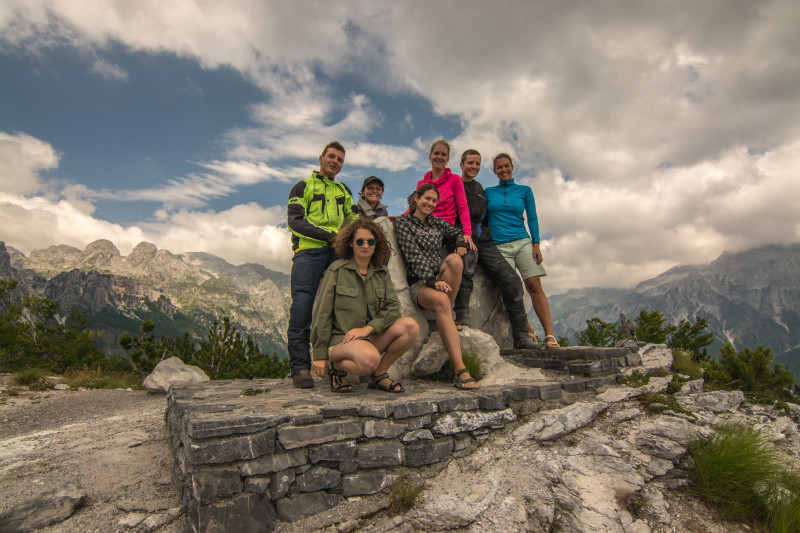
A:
[452,199]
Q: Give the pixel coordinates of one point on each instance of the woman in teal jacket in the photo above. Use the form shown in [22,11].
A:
[357,313]
[509,204]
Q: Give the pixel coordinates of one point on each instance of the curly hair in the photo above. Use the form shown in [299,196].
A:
[383,249]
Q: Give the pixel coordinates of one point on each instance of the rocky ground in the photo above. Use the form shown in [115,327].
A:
[113,443]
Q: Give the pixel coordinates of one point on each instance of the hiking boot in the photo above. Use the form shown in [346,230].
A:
[302,379]
[523,342]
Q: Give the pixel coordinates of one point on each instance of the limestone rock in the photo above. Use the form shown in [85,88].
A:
[171,372]
[487,315]
[552,424]
[716,402]
[48,508]
[655,357]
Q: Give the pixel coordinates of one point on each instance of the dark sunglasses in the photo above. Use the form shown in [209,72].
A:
[360,242]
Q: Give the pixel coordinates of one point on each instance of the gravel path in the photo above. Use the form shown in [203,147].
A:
[113,442]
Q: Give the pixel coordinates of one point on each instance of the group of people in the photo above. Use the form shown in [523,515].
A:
[452,224]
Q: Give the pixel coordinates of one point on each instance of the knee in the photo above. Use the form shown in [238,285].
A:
[454,263]
[441,303]
[371,363]
[409,327]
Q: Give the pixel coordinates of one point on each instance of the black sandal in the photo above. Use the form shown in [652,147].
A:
[336,375]
[394,386]
[460,383]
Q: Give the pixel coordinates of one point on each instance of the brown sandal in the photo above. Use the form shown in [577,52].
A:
[336,375]
[394,386]
[460,383]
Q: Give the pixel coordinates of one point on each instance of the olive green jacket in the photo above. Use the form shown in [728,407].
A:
[345,301]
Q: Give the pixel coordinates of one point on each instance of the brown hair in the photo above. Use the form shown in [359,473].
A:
[500,156]
[469,152]
[336,145]
[383,249]
[421,190]
[438,142]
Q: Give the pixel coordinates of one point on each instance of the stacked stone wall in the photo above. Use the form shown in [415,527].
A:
[249,452]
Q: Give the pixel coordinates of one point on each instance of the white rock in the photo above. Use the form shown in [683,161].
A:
[171,372]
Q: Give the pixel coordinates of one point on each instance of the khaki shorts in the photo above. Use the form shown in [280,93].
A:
[519,255]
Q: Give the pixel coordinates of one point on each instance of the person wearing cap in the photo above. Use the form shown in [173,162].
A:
[369,203]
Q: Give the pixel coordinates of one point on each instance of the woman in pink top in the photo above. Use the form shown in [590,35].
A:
[452,202]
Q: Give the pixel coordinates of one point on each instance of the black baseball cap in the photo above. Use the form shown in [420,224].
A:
[369,180]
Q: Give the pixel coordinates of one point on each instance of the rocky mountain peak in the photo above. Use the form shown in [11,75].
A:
[100,254]
[142,253]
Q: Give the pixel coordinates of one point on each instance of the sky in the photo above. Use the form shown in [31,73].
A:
[652,133]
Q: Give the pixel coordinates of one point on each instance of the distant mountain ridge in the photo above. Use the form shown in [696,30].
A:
[181,293]
[748,298]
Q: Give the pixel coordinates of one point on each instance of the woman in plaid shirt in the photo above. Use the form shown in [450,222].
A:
[433,282]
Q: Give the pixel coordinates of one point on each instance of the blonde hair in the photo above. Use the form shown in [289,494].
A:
[436,143]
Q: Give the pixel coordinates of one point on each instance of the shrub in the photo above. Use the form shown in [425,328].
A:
[737,470]
[749,371]
[33,378]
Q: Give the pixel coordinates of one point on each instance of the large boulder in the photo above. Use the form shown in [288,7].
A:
[171,372]
[490,330]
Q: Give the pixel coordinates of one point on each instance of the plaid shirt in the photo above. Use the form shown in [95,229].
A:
[420,243]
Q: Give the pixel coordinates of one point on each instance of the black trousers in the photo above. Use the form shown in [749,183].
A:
[502,275]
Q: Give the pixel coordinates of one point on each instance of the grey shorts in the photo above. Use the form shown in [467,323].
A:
[519,255]
[413,290]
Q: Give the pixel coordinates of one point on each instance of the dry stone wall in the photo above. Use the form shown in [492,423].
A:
[247,453]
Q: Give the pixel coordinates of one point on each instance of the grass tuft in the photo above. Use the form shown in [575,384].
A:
[95,378]
[742,474]
[683,363]
[633,502]
[636,379]
[404,494]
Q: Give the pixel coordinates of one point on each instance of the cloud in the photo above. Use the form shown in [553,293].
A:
[109,71]
[653,133]
[22,157]
[244,233]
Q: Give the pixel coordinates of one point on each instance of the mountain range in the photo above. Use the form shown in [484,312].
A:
[180,293]
[749,298]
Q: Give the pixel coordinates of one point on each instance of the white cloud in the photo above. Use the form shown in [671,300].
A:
[22,157]
[244,233]
[109,71]
[654,133]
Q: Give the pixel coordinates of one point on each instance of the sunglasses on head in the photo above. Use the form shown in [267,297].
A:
[360,242]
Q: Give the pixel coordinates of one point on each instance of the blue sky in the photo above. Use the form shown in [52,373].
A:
[653,134]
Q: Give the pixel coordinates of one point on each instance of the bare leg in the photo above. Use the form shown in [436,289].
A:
[357,357]
[439,302]
[394,342]
[540,304]
[450,272]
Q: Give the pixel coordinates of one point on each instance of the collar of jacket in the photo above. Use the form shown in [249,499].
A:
[352,265]
[507,183]
[444,177]
[317,175]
